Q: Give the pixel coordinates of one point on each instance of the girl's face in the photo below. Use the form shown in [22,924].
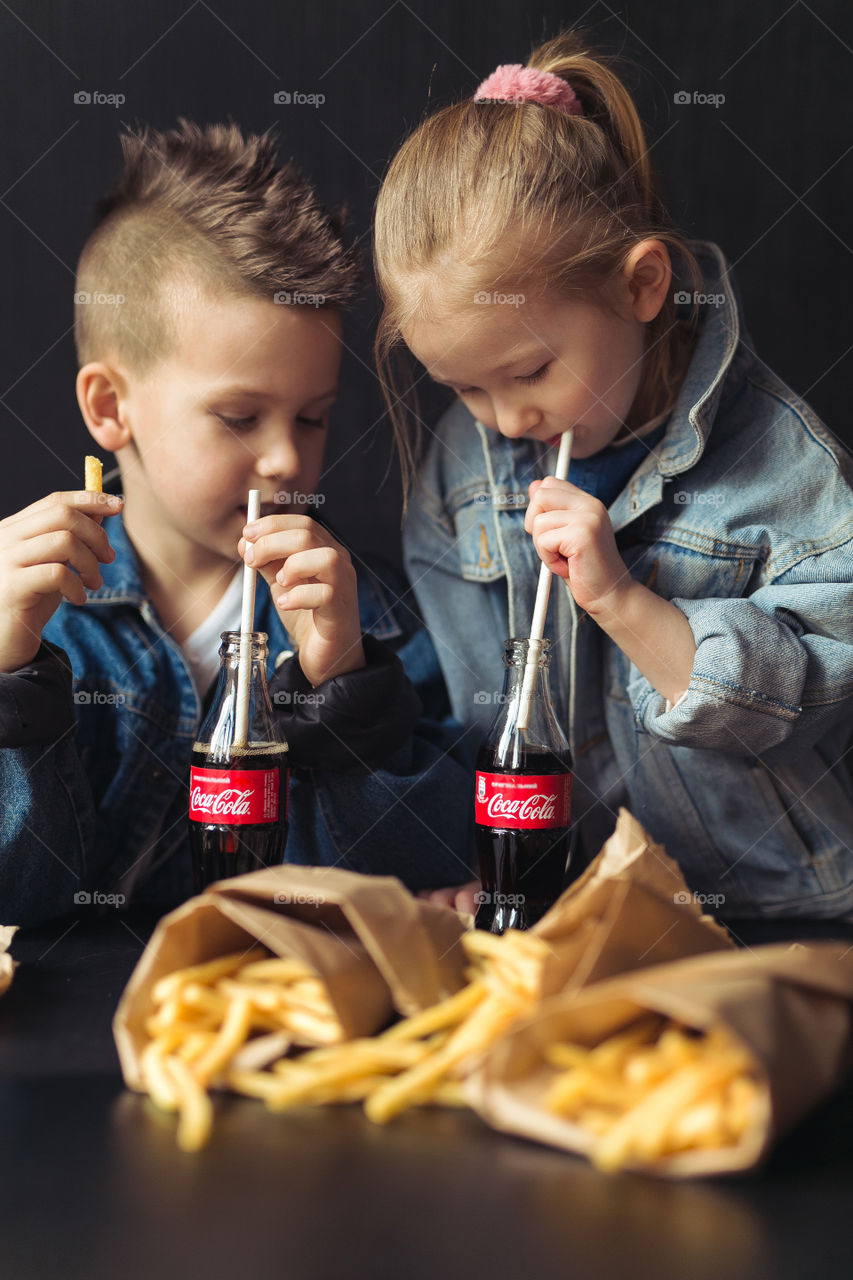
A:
[536,368]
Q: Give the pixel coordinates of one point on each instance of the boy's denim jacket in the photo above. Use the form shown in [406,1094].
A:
[93,792]
[742,516]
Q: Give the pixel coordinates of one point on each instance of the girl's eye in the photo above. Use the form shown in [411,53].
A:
[311,422]
[535,377]
[238,424]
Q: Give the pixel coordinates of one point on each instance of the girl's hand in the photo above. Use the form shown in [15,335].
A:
[313,587]
[462,898]
[573,536]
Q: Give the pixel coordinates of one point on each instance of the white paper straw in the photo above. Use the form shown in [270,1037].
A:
[543,591]
[247,620]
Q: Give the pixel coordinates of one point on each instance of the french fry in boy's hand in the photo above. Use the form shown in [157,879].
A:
[48,551]
[94,474]
[656,1090]
[313,586]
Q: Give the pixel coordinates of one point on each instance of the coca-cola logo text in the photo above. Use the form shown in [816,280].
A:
[539,807]
[226,804]
[234,796]
[523,800]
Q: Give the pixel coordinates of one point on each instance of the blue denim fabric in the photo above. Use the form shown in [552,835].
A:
[742,516]
[104,809]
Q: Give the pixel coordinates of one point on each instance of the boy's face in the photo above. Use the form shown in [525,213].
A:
[242,402]
[537,368]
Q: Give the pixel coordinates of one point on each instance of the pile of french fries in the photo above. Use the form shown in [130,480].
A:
[232,1022]
[654,1090]
[242,1023]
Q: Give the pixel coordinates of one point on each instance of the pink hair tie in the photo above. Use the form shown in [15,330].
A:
[514,83]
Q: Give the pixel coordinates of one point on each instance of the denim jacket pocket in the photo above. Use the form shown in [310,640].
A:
[480,554]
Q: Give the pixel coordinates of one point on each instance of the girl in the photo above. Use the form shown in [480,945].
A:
[701,626]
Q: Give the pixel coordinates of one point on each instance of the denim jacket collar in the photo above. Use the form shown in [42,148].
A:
[709,373]
[122,580]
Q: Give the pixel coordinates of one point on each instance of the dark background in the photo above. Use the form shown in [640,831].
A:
[767,174]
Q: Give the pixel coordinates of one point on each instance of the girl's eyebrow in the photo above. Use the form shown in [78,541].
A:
[522,359]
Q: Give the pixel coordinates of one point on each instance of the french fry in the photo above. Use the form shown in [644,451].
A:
[94,474]
[230,1022]
[201,974]
[654,1090]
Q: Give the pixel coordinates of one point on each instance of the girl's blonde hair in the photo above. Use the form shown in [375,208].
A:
[485,194]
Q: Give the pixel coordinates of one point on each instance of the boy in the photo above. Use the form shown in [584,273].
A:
[210,369]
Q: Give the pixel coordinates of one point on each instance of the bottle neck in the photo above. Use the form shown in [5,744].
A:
[236,722]
[543,733]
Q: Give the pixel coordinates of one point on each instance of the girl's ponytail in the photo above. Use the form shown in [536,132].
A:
[607,103]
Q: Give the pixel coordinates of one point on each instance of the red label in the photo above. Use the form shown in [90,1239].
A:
[531,800]
[234,796]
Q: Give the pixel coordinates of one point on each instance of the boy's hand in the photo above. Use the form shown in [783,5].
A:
[303,563]
[573,536]
[40,548]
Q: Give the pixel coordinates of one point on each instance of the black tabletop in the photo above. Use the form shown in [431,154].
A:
[93,1186]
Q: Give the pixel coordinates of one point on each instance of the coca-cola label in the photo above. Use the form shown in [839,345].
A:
[530,801]
[233,796]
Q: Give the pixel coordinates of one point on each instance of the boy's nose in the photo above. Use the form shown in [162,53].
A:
[280,459]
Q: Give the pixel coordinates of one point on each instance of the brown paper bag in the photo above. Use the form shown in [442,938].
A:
[630,909]
[375,946]
[789,1006]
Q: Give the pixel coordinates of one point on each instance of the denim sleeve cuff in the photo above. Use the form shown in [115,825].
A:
[748,675]
[351,723]
[35,701]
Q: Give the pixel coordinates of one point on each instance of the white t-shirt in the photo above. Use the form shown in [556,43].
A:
[201,648]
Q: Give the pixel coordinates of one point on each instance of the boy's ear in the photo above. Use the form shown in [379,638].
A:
[101,391]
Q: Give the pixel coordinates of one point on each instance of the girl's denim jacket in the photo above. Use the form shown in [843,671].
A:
[94,772]
[742,516]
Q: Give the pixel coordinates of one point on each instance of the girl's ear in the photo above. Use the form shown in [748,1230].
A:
[101,388]
[648,273]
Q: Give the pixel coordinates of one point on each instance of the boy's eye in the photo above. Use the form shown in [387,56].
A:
[530,378]
[238,424]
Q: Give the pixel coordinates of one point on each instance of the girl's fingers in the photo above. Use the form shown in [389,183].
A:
[547,520]
[61,547]
[551,493]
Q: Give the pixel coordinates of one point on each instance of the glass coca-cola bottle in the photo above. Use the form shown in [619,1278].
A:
[238,789]
[522,800]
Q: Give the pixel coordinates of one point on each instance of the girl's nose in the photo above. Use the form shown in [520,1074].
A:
[514,423]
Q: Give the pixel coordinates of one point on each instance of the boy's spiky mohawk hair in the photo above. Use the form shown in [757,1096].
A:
[210,208]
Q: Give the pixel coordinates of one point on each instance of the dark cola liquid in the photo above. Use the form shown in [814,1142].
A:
[522,872]
[220,850]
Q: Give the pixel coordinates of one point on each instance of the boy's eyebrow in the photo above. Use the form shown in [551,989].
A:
[237,389]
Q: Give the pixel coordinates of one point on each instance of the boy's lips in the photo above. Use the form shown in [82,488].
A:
[266,509]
